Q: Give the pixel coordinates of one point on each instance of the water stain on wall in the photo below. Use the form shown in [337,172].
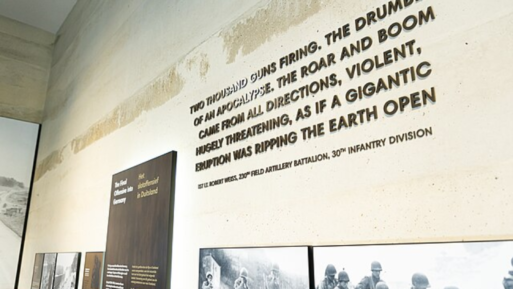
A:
[151,96]
[49,163]
[246,36]
[203,65]
[275,19]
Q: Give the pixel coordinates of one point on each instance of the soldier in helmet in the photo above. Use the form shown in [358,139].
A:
[507,282]
[207,284]
[369,282]
[343,280]
[242,281]
[272,281]
[329,281]
[419,281]
[381,285]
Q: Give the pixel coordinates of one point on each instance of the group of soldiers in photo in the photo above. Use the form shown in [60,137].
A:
[374,281]
[271,281]
[332,280]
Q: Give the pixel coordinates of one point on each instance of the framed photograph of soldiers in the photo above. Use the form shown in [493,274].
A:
[462,265]
[93,268]
[66,271]
[243,268]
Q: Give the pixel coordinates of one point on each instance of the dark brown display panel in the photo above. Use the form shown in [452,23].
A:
[139,237]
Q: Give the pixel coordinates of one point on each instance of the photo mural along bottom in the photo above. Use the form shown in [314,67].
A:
[56,271]
[462,265]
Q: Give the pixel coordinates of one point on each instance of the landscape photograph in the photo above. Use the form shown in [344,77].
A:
[17,150]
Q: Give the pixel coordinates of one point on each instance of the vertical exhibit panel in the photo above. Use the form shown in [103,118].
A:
[18,143]
[269,268]
[93,269]
[470,265]
[138,252]
[38,270]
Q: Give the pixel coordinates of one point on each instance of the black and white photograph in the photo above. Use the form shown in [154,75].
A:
[17,150]
[66,271]
[48,270]
[244,268]
[462,265]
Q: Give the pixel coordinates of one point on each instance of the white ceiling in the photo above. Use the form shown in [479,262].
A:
[44,14]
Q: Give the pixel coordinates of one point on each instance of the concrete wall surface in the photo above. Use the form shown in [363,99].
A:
[25,60]
[427,158]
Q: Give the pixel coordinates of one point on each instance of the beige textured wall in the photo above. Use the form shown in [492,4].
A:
[25,59]
[125,74]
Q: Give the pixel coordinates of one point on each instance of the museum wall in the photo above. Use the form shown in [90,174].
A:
[424,159]
[25,59]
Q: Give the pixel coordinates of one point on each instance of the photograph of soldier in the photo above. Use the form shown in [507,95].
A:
[343,280]
[469,265]
[419,281]
[91,277]
[369,282]
[329,281]
[95,276]
[272,281]
[242,281]
[381,285]
[507,282]
[207,284]
[254,268]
